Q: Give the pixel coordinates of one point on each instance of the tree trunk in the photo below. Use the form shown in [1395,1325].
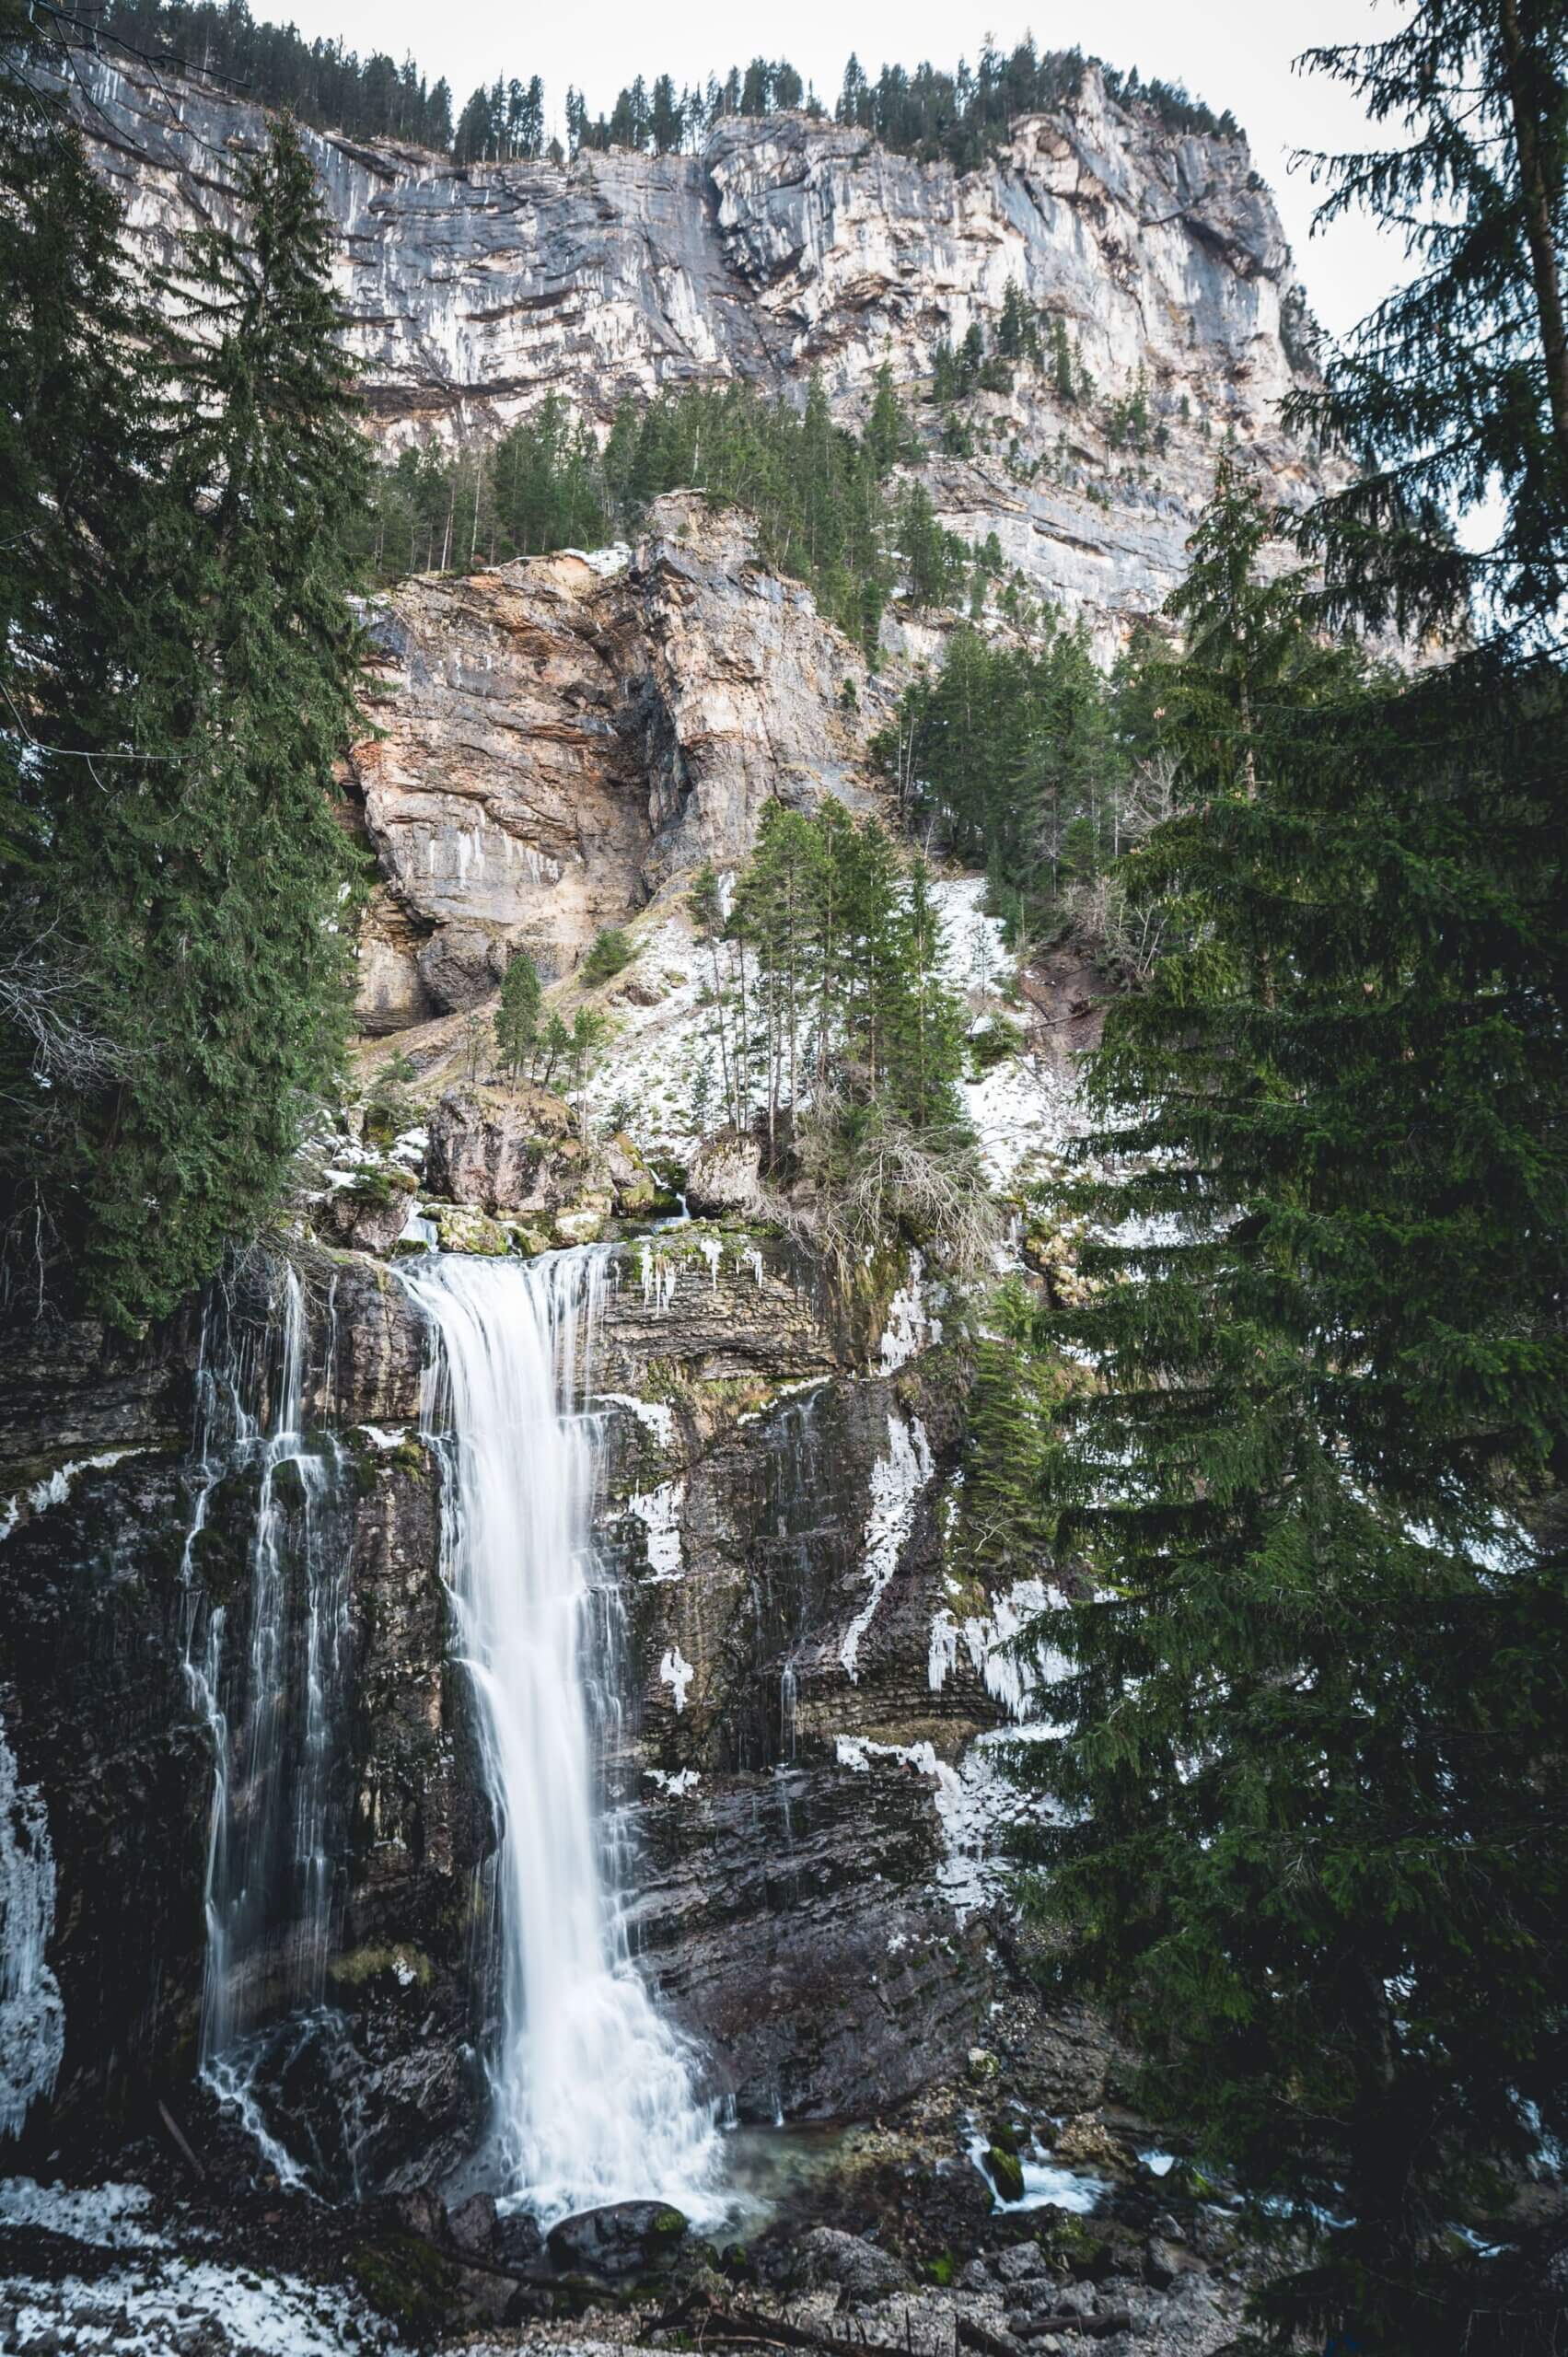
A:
[1538,210]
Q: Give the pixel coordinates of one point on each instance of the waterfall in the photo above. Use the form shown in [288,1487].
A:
[594,2094]
[273,1713]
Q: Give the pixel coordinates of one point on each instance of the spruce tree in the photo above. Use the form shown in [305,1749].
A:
[1309,1829]
[221,880]
[75,468]
[1455,389]
[517,1014]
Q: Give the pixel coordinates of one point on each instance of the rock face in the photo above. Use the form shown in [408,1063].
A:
[787,247]
[559,738]
[773,1517]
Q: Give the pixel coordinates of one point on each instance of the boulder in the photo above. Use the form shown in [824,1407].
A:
[519,2240]
[1005,2172]
[635,1184]
[856,2265]
[724,1175]
[473,2227]
[1020,2263]
[1086,2143]
[461,966]
[624,2238]
[369,1215]
[1165,2262]
[501,1151]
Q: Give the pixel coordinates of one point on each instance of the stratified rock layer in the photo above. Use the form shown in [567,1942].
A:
[788,247]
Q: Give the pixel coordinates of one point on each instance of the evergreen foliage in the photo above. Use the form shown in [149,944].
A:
[966,116]
[827,506]
[517,1014]
[319,82]
[609,954]
[840,1040]
[187,642]
[1308,1825]
[1014,754]
[1456,387]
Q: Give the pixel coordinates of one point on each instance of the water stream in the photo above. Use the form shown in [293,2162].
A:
[595,2091]
[274,1713]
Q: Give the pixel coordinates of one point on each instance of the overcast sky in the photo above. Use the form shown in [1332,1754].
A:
[1234,53]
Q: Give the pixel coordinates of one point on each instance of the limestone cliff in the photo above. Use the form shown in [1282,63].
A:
[786,247]
[559,738]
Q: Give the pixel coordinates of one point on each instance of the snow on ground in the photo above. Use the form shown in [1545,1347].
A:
[162,2298]
[163,2303]
[975,957]
[651,1066]
[114,2216]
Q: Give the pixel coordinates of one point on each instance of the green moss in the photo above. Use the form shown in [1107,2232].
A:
[1005,2172]
[1074,2244]
[378,1187]
[361,1966]
[406,2279]
[942,2268]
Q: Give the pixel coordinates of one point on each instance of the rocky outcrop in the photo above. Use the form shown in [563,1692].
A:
[559,738]
[724,1175]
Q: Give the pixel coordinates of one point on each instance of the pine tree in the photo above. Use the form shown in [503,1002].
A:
[924,1025]
[1308,1824]
[1455,389]
[220,876]
[517,1014]
[74,462]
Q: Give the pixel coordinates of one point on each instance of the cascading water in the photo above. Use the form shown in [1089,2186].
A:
[594,2093]
[273,1842]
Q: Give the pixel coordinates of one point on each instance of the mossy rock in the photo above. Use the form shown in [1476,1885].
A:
[1075,2245]
[378,1186]
[1006,2171]
[363,1968]
[462,1229]
[407,2278]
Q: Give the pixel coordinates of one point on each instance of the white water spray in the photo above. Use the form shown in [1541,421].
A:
[594,2090]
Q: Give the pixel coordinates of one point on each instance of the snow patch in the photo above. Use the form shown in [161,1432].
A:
[654,1415]
[32,2015]
[114,2216]
[658,1511]
[55,1488]
[897,1480]
[384,1436]
[677,1673]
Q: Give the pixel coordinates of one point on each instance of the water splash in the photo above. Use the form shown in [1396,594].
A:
[594,2091]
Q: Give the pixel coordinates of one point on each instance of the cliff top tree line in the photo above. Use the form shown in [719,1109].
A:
[962,117]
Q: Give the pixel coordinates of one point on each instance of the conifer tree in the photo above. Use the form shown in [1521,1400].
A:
[1457,385]
[517,1014]
[1308,1827]
[220,876]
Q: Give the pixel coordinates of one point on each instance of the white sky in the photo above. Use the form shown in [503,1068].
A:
[1233,53]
